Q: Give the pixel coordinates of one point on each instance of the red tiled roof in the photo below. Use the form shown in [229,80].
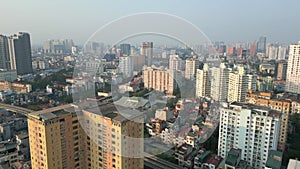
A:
[212,160]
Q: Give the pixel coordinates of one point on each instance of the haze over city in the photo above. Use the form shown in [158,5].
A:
[155,84]
[229,21]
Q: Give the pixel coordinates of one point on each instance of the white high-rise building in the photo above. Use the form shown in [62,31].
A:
[203,82]
[281,53]
[175,63]
[147,51]
[293,70]
[237,87]
[276,52]
[272,52]
[219,82]
[191,66]
[239,84]
[12,55]
[252,82]
[253,129]
[126,66]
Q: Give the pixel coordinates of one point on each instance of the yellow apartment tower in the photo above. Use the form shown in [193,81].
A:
[102,138]
[55,139]
[115,137]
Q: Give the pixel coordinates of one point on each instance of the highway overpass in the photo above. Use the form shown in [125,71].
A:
[16,109]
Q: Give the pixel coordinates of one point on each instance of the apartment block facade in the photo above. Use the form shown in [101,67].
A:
[253,129]
[100,137]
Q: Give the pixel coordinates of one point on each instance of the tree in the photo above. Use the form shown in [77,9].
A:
[295,122]
[212,143]
[293,149]
[172,103]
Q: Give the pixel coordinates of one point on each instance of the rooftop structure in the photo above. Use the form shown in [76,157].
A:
[274,159]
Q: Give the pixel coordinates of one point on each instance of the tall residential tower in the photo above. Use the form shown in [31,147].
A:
[147,51]
[219,82]
[15,53]
[203,82]
[293,70]
[253,129]
[96,136]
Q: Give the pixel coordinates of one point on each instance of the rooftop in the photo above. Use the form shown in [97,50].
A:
[274,159]
[232,157]
[293,164]
[51,113]
[7,146]
[213,160]
[110,110]
[202,157]
[255,108]
[134,102]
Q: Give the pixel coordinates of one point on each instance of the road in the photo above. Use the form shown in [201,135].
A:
[16,109]
[158,163]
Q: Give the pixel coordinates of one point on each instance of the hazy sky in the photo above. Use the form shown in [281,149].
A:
[227,20]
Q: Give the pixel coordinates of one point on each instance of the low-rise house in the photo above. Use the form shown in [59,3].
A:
[9,153]
[184,155]
[206,160]
[163,114]
[274,160]
[156,126]
[233,160]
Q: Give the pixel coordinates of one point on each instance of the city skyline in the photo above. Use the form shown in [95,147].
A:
[239,21]
[150,84]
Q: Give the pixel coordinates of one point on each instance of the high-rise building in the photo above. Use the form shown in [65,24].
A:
[281,53]
[133,50]
[4,53]
[222,50]
[203,82]
[272,52]
[281,69]
[126,66]
[90,47]
[240,51]
[253,129]
[238,85]
[230,50]
[68,44]
[138,62]
[147,51]
[160,79]
[219,82]
[262,44]
[282,105]
[12,57]
[115,137]
[20,53]
[223,84]
[101,137]
[276,52]
[125,49]
[252,49]
[63,46]
[191,65]
[15,53]
[293,70]
[175,63]
[55,139]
